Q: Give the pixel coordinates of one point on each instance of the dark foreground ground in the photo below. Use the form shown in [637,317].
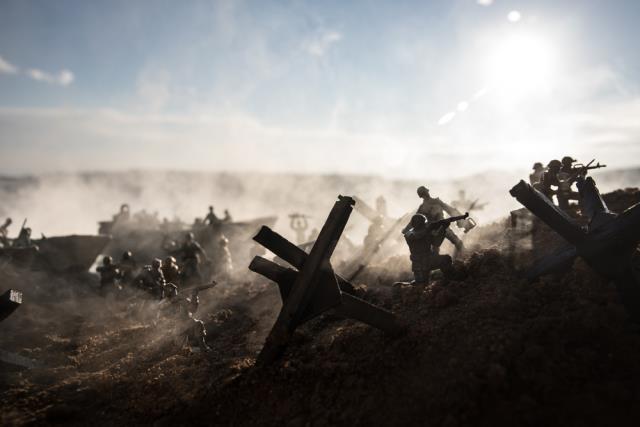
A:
[486,348]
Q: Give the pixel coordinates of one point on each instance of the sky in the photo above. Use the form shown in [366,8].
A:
[403,89]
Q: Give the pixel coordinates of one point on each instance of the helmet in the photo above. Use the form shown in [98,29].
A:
[537,166]
[418,220]
[189,236]
[223,240]
[127,255]
[169,260]
[567,161]
[423,191]
[554,164]
[156,263]
[210,208]
[171,290]
[107,260]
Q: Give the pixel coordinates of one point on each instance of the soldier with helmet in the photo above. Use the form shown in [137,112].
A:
[222,263]
[433,209]
[536,176]
[566,178]
[550,179]
[171,270]
[424,241]
[191,251]
[182,311]
[128,267]
[151,279]
[109,275]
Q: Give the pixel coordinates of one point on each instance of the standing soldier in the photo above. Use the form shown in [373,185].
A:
[128,267]
[109,275]
[171,270]
[190,255]
[227,216]
[211,218]
[536,176]
[222,262]
[24,238]
[434,208]
[4,233]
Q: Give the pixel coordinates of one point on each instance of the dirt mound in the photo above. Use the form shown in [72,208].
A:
[484,348]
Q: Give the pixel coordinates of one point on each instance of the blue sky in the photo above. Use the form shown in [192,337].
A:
[399,88]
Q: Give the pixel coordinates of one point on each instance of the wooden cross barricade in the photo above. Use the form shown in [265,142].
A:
[608,244]
[313,288]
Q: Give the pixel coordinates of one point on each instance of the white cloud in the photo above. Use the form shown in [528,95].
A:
[63,78]
[320,44]
[6,67]
[485,2]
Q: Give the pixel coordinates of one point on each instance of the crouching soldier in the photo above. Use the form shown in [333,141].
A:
[424,240]
[181,311]
[151,280]
[109,276]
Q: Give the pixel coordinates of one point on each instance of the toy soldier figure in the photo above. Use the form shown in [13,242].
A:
[109,275]
[434,208]
[298,223]
[424,240]
[182,310]
[536,176]
[190,255]
[128,267]
[374,236]
[550,179]
[24,238]
[566,178]
[170,270]
[152,280]
[227,216]
[381,206]
[222,262]
[211,218]
[4,233]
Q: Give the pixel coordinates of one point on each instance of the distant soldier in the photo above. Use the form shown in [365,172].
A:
[211,218]
[124,214]
[381,206]
[375,235]
[433,209]
[171,270]
[222,262]
[109,275]
[299,223]
[4,233]
[128,267]
[227,216]
[424,240]
[24,238]
[151,279]
[536,176]
[191,251]
[550,179]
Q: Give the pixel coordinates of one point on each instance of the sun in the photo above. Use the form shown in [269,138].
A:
[520,65]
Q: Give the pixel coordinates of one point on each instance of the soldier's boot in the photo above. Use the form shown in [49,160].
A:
[421,277]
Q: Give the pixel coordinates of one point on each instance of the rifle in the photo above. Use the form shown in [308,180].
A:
[447,221]
[196,289]
[580,169]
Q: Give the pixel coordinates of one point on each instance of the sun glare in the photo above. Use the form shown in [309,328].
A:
[520,65]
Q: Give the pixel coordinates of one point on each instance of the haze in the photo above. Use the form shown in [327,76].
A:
[403,89]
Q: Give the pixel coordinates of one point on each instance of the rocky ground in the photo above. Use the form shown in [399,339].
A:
[485,348]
